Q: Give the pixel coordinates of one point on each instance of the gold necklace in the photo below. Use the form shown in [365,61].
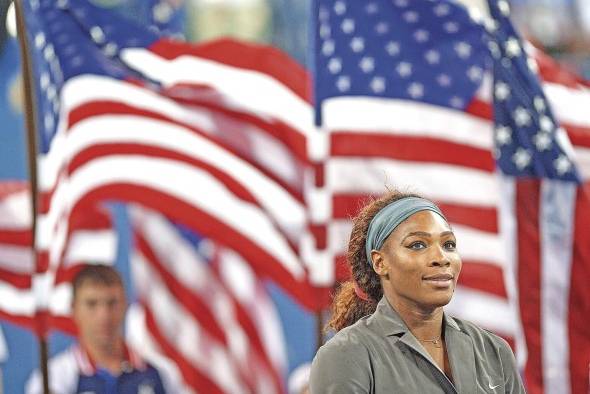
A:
[437,342]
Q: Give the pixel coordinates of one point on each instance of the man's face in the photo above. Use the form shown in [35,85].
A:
[98,311]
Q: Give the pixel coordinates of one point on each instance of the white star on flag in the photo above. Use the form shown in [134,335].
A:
[392,48]
[49,53]
[522,117]
[404,69]
[451,27]
[110,49]
[328,48]
[532,64]
[443,80]
[475,73]
[562,164]
[521,158]
[347,26]
[357,44]
[97,34]
[503,135]
[546,123]
[457,102]
[381,28]
[40,40]
[378,84]
[463,50]
[512,47]
[542,141]
[539,103]
[501,91]
[432,56]
[372,8]
[411,16]
[504,7]
[367,64]
[441,10]
[416,90]
[339,8]
[335,65]
[325,31]
[343,83]
[421,35]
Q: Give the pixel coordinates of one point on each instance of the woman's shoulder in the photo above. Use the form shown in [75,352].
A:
[353,340]
[481,337]
[344,361]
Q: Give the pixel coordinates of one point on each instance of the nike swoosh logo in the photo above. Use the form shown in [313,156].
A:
[492,387]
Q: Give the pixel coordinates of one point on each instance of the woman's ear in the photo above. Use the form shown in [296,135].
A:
[380,266]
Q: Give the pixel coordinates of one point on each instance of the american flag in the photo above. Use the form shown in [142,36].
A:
[542,201]
[111,130]
[419,95]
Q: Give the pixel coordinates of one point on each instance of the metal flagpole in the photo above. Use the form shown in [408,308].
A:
[30,122]
[319,329]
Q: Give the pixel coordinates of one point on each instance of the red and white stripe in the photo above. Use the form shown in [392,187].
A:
[224,339]
[16,257]
[141,340]
[256,310]
[238,72]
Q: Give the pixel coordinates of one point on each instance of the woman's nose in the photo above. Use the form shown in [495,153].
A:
[439,257]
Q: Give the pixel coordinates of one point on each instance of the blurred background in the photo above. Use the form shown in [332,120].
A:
[560,27]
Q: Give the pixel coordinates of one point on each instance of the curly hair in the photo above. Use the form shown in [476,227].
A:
[348,305]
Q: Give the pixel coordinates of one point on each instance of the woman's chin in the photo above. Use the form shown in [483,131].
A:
[438,300]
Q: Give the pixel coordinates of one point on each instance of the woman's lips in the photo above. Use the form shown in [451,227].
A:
[439,280]
[440,277]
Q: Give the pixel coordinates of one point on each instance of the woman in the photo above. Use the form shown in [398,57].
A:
[393,336]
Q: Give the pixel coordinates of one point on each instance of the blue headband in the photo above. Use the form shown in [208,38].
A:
[387,220]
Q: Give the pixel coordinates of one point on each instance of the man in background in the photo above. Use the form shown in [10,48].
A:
[100,362]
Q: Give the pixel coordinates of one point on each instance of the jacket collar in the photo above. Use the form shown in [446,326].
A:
[87,366]
[460,347]
[389,322]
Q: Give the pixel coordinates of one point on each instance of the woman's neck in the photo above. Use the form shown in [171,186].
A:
[424,323]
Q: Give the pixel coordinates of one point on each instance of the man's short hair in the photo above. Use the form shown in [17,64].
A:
[99,274]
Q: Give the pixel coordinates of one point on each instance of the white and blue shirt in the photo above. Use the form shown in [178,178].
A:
[73,371]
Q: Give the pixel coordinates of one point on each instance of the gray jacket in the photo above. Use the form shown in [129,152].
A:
[378,354]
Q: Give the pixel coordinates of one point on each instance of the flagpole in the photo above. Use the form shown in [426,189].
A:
[31,127]
[319,329]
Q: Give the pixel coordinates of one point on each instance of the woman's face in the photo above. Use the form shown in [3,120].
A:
[418,263]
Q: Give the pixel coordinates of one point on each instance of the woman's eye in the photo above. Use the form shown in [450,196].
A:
[417,245]
[451,245]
